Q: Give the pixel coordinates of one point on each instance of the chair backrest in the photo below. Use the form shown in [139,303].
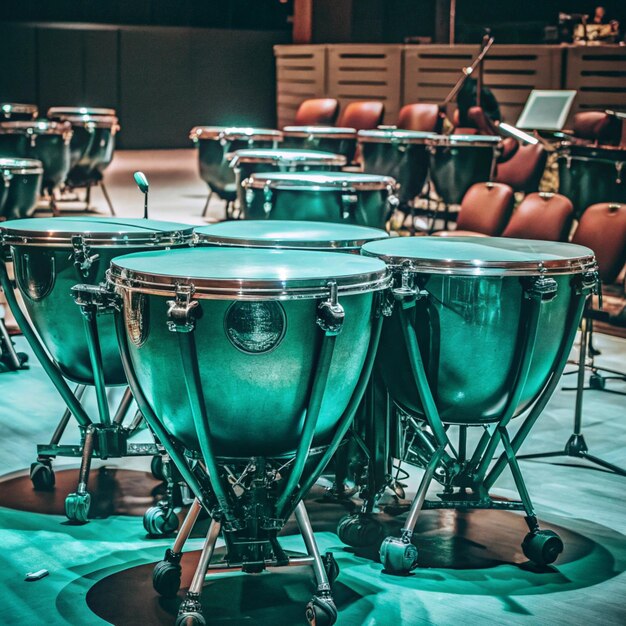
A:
[362,115]
[602,228]
[317,112]
[545,216]
[597,126]
[486,208]
[420,116]
[523,171]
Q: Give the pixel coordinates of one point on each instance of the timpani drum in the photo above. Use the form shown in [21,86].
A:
[591,174]
[363,199]
[15,112]
[456,162]
[400,154]
[480,333]
[45,141]
[215,143]
[20,182]
[335,139]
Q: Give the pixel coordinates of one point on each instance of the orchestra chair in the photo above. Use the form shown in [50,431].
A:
[317,112]
[598,127]
[484,212]
[366,115]
[546,216]
[524,170]
[420,116]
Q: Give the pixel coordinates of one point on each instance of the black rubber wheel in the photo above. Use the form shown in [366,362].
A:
[160,521]
[190,619]
[321,611]
[542,547]
[166,578]
[331,566]
[156,467]
[42,476]
[597,381]
[359,531]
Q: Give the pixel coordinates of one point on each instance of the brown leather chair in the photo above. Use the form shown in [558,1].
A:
[598,127]
[545,216]
[485,210]
[362,115]
[317,112]
[523,171]
[420,116]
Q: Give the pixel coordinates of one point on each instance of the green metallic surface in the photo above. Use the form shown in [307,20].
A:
[45,276]
[248,396]
[91,151]
[467,325]
[21,195]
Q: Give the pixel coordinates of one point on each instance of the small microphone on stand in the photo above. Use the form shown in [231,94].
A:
[144,187]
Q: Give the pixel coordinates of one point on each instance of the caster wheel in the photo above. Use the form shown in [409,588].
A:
[77,507]
[159,521]
[542,547]
[359,531]
[156,467]
[331,566]
[398,556]
[190,619]
[321,611]
[42,476]
[166,578]
[597,381]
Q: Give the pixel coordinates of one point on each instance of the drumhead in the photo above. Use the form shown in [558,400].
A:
[54,112]
[584,152]
[288,235]
[319,181]
[394,136]
[95,231]
[330,132]
[9,108]
[287,157]
[481,256]
[36,127]
[21,166]
[248,274]
[464,140]
[232,133]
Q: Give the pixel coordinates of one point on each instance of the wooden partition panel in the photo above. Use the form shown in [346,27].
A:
[300,75]
[598,73]
[366,72]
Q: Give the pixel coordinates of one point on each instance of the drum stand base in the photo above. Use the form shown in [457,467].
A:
[166,576]
[10,359]
[87,186]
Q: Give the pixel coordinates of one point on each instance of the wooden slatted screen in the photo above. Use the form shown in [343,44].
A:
[598,73]
[366,72]
[300,75]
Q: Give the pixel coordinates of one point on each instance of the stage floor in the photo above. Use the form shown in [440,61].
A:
[472,567]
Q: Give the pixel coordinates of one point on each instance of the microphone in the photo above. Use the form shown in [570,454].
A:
[144,187]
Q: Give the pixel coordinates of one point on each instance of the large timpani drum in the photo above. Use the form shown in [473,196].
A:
[20,182]
[52,255]
[45,141]
[335,139]
[591,174]
[16,112]
[363,199]
[458,161]
[215,143]
[288,235]
[400,154]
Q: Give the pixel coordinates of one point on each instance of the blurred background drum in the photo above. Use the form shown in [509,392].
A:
[364,199]
[458,161]
[20,182]
[591,174]
[333,139]
[215,143]
[16,112]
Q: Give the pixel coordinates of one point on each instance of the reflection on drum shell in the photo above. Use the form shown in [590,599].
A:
[20,194]
[255,402]
[91,151]
[467,332]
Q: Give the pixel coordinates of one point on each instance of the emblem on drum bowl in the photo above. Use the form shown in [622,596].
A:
[136,316]
[255,327]
[37,274]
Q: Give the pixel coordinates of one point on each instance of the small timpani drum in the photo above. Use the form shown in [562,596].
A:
[363,199]
[400,154]
[20,182]
[45,141]
[591,174]
[248,162]
[215,143]
[16,112]
[92,143]
[480,333]
[253,362]
[335,139]
[458,161]
[288,235]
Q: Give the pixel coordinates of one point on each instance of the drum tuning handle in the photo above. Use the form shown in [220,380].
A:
[83,259]
[542,287]
[182,311]
[330,313]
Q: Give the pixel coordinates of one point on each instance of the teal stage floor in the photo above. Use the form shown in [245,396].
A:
[474,569]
